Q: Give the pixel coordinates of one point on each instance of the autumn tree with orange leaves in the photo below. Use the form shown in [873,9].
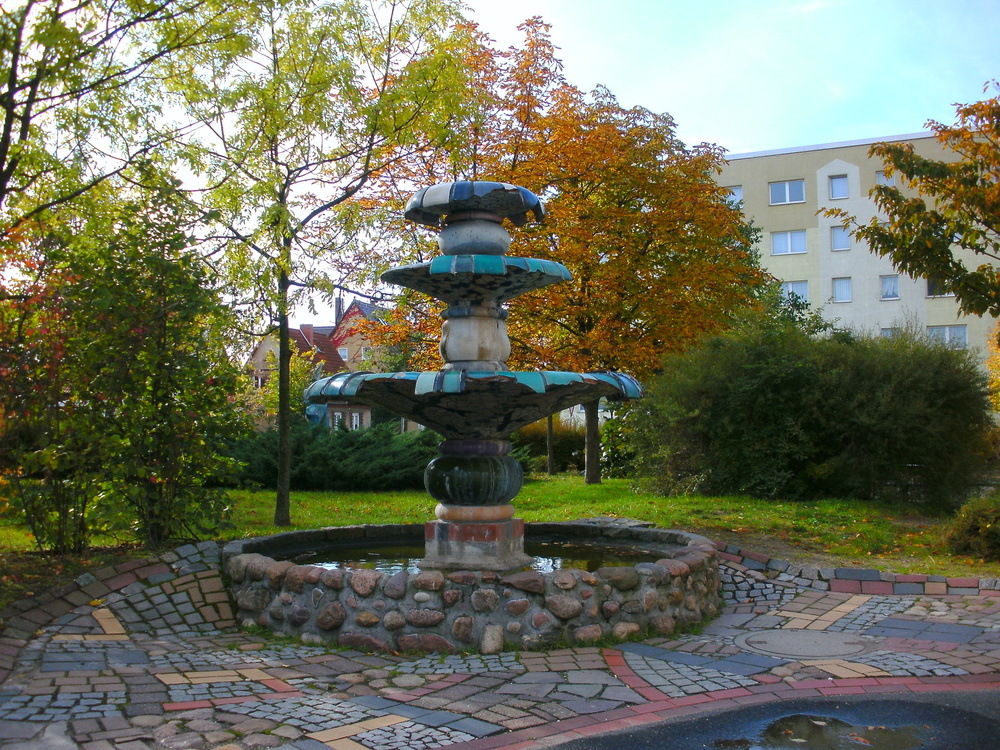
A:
[659,257]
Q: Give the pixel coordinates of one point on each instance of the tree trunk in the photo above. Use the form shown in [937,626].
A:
[550,449]
[282,503]
[592,471]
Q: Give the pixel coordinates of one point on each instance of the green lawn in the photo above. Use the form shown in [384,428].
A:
[903,538]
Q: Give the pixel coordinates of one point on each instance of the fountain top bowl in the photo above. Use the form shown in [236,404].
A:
[432,205]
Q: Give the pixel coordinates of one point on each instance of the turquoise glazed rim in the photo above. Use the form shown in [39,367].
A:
[451,278]
[443,400]
[347,384]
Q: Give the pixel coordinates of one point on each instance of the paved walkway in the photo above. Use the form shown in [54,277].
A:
[146,655]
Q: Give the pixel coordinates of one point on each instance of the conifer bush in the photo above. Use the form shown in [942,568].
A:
[337,459]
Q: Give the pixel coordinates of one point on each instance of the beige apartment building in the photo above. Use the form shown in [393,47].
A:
[785,191]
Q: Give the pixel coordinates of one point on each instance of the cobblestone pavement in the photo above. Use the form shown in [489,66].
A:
[146,655]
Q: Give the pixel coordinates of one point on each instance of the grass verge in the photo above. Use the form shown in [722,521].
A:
[903,538]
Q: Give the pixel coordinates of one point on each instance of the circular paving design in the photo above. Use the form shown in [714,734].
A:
[805,644]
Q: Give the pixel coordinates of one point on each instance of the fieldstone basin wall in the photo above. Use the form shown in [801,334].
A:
[447,611]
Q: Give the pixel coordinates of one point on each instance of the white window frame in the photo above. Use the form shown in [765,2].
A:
[932,294]
[836,233]
[882,283]
[888,333]
[881,178]
[735,194]
[355,420]
[343,351]
[802,292]
[849,286]
[952,335]
[786,189]
[838,187]
[783,243]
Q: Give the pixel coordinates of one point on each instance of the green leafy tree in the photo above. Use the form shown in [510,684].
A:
[944,219]
[263,402]
[293,126]
[124,389]
[78,98]
[45,455]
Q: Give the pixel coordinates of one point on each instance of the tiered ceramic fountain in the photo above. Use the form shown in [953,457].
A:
[471,589]
[474,401]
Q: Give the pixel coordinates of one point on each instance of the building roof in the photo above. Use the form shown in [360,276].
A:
[320,343]
[826,146]
[367,309]
[318,347]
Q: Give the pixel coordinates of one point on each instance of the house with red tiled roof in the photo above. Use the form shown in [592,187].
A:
[349,339]
[336,348]
[307,342]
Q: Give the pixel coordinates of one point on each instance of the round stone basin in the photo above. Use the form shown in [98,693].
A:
[608,581]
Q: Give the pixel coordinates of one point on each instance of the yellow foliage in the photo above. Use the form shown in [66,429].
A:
[993,367]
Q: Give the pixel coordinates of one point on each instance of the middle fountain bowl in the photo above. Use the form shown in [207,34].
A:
[474,402]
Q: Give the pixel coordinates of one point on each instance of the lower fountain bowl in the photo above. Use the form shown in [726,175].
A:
[402,609]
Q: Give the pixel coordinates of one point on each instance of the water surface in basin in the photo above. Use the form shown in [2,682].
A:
[548,556]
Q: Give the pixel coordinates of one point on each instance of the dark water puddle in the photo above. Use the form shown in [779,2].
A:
[809,732]
[938,721]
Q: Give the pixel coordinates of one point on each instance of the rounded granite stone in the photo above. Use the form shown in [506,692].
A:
[481,237]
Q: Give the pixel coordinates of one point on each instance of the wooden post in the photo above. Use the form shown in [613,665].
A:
[592,451]
[550,449]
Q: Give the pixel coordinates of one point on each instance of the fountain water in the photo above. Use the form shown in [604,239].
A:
[472,589]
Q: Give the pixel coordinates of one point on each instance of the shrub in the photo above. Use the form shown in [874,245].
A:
[338,459]
[530,446]
[772,411]
[618,456]
[116,397]
[976,528]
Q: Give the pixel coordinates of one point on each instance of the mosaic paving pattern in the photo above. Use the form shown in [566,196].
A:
[462,664]
[678,679]
[305,713]
[409,734]
[231,657]
[147,658]
[893,663]
[59,707]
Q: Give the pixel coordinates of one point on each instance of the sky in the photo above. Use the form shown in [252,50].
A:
[756,75]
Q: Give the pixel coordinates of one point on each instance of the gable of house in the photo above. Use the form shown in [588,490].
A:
[348,339]
[307,340]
